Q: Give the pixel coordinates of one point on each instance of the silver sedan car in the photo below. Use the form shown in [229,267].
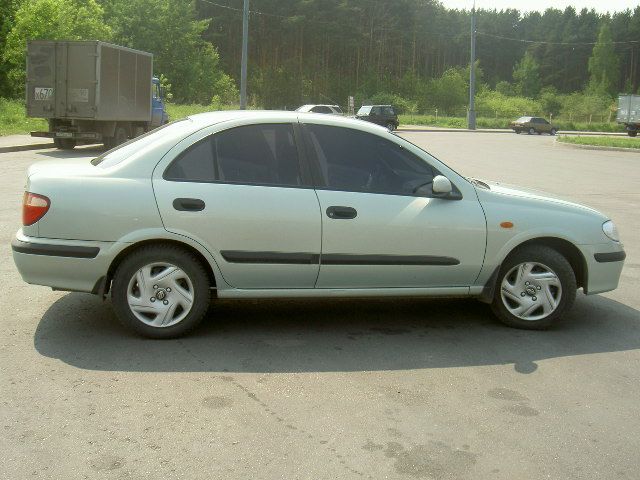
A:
[286,204]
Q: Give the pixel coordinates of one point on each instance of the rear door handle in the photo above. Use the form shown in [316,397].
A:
[188,204]
[341,213]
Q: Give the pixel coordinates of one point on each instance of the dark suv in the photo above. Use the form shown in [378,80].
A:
[384,115]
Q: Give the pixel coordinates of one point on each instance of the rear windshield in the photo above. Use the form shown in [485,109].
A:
[364,110]
[122,152]
[337,109]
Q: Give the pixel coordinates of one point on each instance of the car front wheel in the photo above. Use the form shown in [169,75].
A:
[535,287]
[532,131]
[160,291]
[553,131]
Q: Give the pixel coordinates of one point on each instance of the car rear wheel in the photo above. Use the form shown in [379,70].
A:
[160,291]
[535,287]
[531,131]
[517,130]
[391,126]
[632,133]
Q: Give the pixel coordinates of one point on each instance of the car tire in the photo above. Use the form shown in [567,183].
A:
[534,288]
[160,291]
[632,133]
[65,143]
[553,131]
[531,131]
[517,131]
[391,126]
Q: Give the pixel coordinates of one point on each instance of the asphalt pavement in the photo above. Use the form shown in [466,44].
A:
[337,389]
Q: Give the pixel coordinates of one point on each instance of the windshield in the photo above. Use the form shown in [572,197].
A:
[118,154]
[337,109]
[523,119]
[364,110]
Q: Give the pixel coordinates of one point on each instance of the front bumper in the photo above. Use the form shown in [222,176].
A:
[604,266]
[73,265]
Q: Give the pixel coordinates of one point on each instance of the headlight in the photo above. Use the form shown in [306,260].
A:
[610,230]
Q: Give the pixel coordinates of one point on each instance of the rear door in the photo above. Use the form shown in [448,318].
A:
[41,79]
[80,79]
[243,194]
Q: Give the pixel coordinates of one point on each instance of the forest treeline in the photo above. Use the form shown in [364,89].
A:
[414,53]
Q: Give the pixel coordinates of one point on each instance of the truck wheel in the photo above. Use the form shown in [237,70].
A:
[121,136]
[64,143]
[632,133]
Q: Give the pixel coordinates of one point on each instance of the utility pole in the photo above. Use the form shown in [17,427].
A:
[243,68]
[472,72]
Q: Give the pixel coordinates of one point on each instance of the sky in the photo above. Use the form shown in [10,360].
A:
[601,6]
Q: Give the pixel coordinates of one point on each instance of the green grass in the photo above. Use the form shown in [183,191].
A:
[624,142]
[491,122]
[176,111]
[13,119]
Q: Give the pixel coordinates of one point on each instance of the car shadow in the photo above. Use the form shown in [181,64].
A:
[332,335]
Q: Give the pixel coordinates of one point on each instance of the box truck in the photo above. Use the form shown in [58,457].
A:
[92,92]
[629,113]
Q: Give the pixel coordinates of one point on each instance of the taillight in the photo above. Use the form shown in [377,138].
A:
[34,207]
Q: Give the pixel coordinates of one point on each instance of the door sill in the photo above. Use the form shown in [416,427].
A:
[344,292]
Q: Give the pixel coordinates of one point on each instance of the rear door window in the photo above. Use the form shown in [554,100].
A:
[263,154]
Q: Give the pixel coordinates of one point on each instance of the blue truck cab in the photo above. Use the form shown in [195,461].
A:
[158,111]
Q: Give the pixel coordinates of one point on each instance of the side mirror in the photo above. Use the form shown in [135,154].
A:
[441,185]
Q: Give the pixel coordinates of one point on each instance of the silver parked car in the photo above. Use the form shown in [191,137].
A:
[283,204]
[330,109]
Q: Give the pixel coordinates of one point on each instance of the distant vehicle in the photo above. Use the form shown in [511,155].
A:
[533,125]
[92,92]
[270,204]
[629,113]
[384,115]
[329,109]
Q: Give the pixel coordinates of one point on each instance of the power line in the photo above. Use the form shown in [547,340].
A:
[253,12]
[542,42]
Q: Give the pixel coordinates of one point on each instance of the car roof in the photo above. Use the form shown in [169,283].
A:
[202,120]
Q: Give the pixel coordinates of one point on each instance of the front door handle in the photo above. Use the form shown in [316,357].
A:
[341,213]
[188,204]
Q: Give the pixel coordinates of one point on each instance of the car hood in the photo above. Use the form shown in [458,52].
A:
[498,188]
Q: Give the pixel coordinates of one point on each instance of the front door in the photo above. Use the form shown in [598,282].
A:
[242,195]
[376,230]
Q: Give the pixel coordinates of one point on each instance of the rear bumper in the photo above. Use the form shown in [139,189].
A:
[71,135]
[604,266]
[73,265]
